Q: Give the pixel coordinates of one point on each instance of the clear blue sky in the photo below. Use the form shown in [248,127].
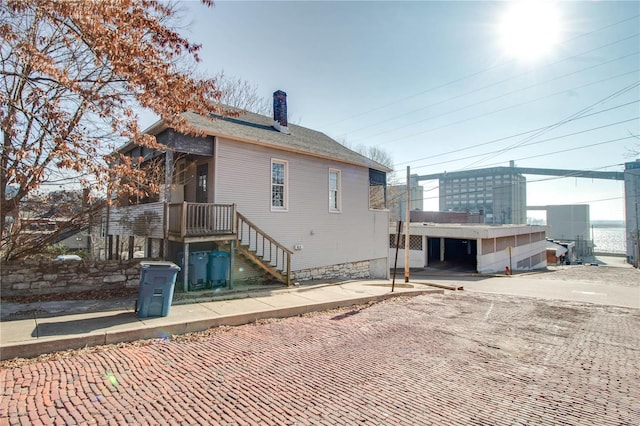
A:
[432,83]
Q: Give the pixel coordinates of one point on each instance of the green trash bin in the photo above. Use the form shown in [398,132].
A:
[218,268]
[155,291]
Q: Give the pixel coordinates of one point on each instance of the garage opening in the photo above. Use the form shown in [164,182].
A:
[459,254]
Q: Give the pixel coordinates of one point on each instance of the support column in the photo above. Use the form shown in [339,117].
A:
[168,175]
[426,251]
[132,242]
[110,247]
[441,249]
[232,257]
[185,273]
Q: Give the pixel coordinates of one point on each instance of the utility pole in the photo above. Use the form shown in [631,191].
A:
[637,251]
[395,264]
[407,223]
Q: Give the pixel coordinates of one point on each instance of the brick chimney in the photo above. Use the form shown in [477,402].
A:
[280,111]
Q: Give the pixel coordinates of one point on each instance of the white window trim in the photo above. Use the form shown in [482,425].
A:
[338,209]
[285,203]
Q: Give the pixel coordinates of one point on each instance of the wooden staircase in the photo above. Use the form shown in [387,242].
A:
[264,251]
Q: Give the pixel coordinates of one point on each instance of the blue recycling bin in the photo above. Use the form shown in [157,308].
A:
[155,291]
[198,261]
[218,268]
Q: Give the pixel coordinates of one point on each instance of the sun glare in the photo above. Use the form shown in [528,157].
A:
[529,30]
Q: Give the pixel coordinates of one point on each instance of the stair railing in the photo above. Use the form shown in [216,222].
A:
[264,246]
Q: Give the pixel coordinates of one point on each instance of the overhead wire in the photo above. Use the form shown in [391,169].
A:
[537,132]
[530,144]
[485,114]
[511,136]
[468,76]
[567,119]
[492,98]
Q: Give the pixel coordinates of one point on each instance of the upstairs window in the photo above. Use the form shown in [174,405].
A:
[334,190]
[377,190]
[278,185]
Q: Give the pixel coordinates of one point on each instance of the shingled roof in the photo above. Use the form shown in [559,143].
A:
[257,129]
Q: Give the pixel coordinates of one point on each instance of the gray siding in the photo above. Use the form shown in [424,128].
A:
[141,220]
[242,176]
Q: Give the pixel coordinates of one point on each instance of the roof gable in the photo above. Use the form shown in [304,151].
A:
[255,128]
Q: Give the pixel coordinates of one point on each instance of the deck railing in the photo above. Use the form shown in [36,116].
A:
[201,219]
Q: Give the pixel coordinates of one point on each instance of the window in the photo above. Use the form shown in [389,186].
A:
[377,190]
[334,190]
[202,193]
[278,185]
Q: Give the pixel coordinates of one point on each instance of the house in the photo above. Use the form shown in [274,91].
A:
[266,193]
[53,218]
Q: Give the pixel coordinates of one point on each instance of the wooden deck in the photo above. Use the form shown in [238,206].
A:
[201,221]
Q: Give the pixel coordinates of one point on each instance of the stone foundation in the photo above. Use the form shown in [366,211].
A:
[351,270]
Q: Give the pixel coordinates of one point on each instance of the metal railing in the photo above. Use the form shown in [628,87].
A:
[269,250]
[200,219]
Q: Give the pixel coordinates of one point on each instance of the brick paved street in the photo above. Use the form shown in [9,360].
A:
[458,358]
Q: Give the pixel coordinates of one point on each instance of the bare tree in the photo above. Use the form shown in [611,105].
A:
[376,154]
[377,197]
[239,93]
[71,74]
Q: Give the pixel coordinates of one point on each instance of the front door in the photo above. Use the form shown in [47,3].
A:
[201,183]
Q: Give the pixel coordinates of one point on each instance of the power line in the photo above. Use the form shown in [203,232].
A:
[468,76]
[567,119]
[600,200]
[512,136]
[635,71]
[495,97]
[529,144]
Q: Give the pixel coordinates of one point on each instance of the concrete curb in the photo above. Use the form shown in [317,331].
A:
[445,286]
[31,349]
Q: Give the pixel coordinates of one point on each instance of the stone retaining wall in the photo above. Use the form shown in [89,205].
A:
[33,277]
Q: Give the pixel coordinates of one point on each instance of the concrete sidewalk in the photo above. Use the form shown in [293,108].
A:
[31,337]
